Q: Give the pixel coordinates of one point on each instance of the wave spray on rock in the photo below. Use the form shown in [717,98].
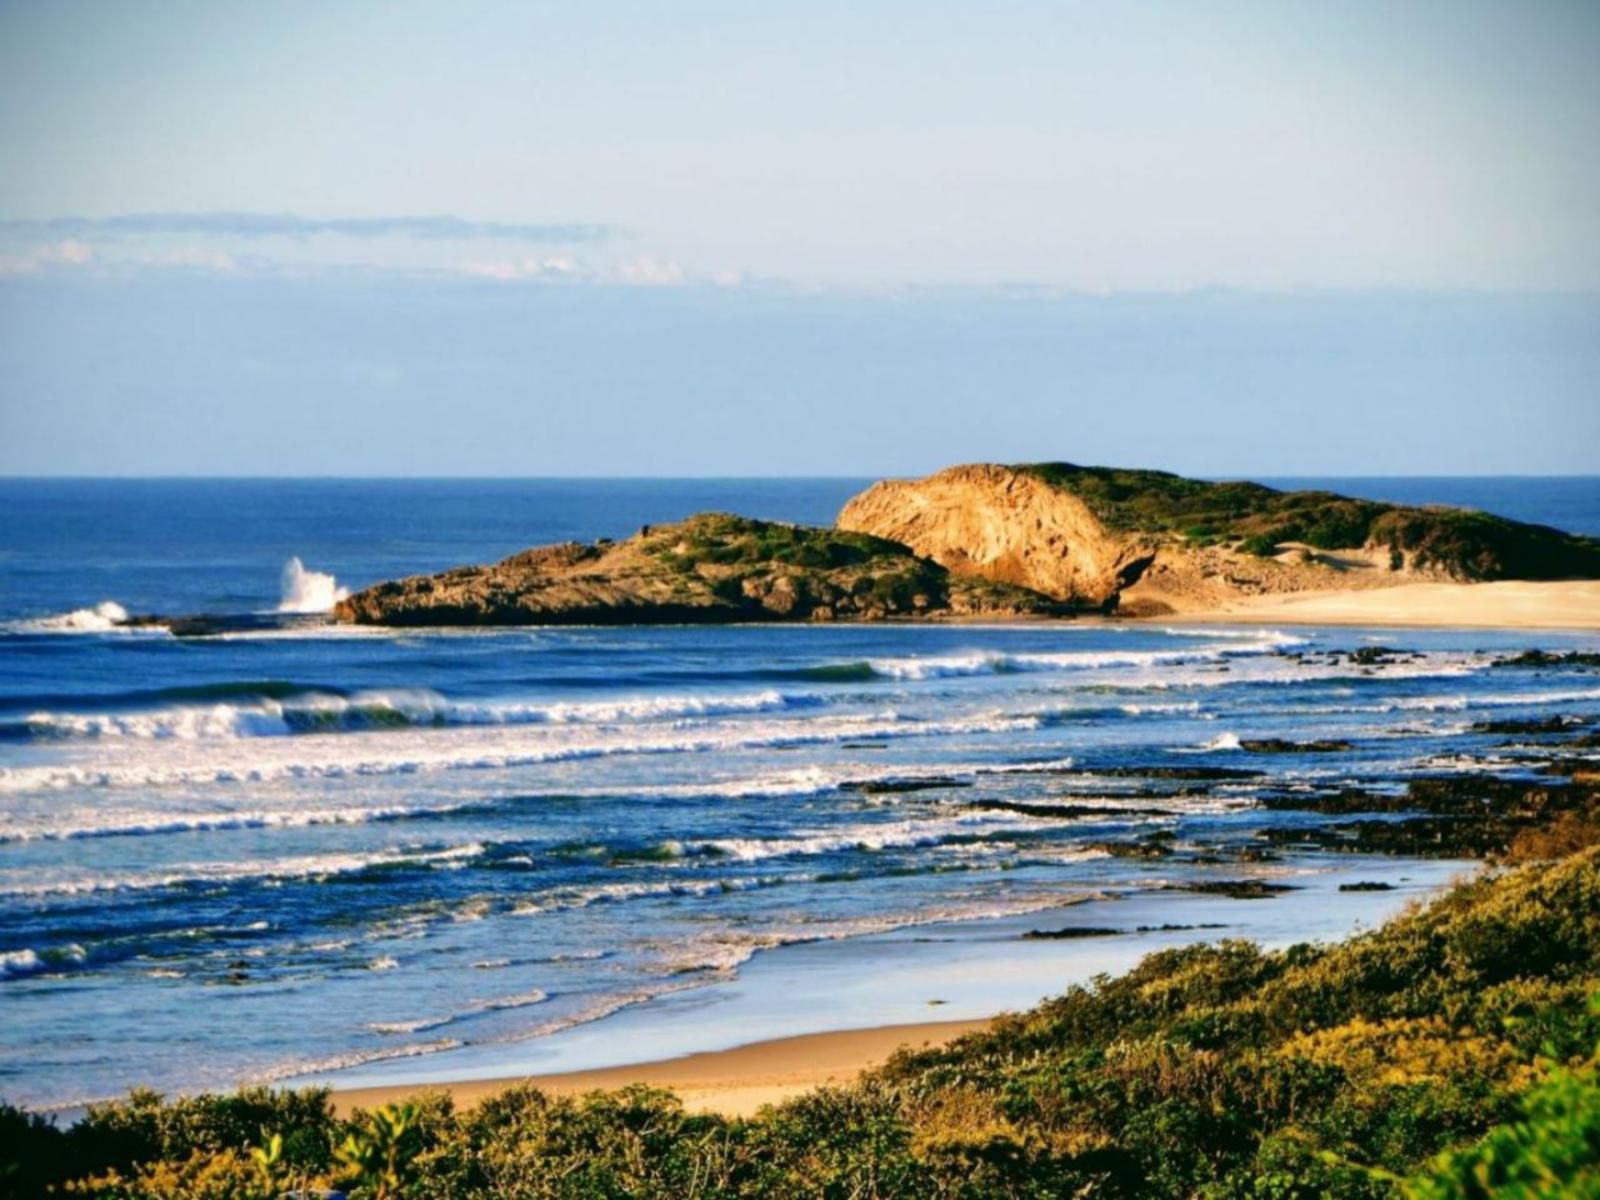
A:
[308,591]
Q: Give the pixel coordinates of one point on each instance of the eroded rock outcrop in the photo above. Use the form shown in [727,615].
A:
[1151,542]
[1006,525]
[710,568]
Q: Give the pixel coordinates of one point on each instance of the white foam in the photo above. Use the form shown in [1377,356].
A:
[260,870]
[307,591]
[881,836]
[993,662]
[96,823]
[260,760]
[17,963]
[380,708]
[642,708]
[107,615]
[520,1000]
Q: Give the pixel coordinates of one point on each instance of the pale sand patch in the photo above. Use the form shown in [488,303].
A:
[733,1082]
[1514,604]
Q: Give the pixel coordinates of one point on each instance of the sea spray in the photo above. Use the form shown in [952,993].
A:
[108,614]
[308,591]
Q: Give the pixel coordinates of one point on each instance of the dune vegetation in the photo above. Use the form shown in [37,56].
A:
[1450,1053]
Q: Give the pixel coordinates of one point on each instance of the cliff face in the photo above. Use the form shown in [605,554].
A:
[709,568]
[1151,542]
[1005,525]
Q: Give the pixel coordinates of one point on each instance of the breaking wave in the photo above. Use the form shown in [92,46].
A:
[997,663]
[105,616]
[257,761]
[278,712]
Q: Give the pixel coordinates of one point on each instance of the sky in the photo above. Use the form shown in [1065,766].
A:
[1219,236]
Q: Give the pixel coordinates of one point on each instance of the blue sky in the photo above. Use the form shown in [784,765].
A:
[725,238]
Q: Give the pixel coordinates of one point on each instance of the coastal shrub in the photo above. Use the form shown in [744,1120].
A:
[1261,545]
[1551,1153]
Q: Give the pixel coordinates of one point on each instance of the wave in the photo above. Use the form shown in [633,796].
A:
[280,712]
[897,835]
[493,1004]
[1491,700]
[308,591]
[308,866]
[147,824]
[104,617]
[798,782]
[17,963]
[1072,713]
[563,899]
[987,662]
[261,763]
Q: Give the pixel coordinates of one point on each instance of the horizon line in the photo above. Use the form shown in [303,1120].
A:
[49,477]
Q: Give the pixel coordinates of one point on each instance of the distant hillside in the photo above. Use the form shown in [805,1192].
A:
[707,569]
[1153,541]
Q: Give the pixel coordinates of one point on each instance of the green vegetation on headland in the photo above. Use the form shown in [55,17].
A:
[1449,1054]
[1462,543]
[709,568]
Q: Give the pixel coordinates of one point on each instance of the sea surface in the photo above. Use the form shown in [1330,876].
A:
[291,854]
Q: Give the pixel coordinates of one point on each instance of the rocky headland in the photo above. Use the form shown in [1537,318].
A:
[1149,543]
[710,568]
[992,541]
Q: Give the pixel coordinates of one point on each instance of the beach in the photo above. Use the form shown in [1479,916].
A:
[734,1083]
[1512,604]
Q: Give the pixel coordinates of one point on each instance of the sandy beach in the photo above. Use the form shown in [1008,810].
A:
[1516,604]
[735,1083]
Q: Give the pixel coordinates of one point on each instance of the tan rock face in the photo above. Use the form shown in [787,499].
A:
[1003,525]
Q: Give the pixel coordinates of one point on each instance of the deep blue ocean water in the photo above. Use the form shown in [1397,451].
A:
[257,855]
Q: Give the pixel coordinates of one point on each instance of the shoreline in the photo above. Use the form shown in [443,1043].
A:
[791,1019]
[735,1082]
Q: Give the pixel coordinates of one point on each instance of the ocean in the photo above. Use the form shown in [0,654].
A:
[359,855]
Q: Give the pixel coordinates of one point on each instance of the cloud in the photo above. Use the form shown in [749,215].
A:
[652,272]
[256,225]
[69,252]
[529,268]
[634,272]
